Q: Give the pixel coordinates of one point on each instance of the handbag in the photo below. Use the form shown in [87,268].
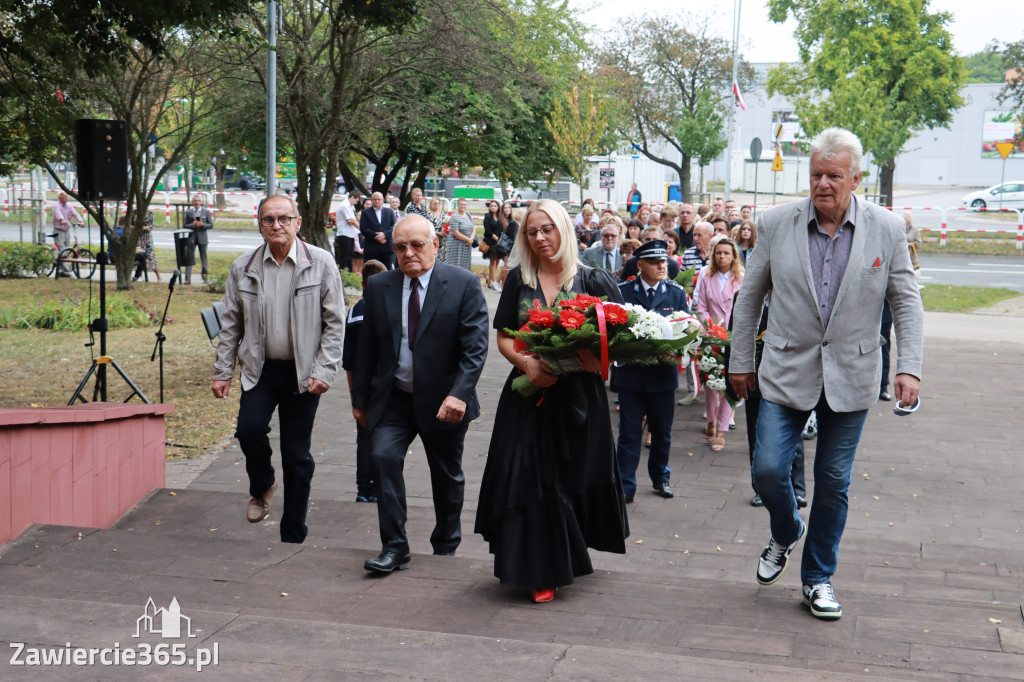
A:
[483,246]
[504,244]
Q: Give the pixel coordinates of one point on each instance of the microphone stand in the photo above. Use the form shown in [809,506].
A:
[160,338]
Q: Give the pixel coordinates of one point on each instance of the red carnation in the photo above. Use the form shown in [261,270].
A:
[541,318]
[717,330]
[571,319]
[584,302]
[614,314]
[632,277]
[567,303]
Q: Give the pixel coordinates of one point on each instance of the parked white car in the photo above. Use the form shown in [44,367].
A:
[1006,195]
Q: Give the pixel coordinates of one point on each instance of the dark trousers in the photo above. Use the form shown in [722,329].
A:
[277,388]
[344,250]
[365,482]
[140,266]
[385,257]
[391,440]
[886,332]
[752,407]
[660,410]
[202,261]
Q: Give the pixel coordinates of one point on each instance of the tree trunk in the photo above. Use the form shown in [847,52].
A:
[887,171]
[684,181]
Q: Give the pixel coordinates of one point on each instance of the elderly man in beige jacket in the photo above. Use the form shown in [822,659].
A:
[283,321]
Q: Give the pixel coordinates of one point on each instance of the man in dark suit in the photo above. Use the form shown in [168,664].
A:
[200,221]
[421,351]
[648,391]
[376,225]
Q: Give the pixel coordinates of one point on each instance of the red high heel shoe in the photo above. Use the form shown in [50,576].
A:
[543,595]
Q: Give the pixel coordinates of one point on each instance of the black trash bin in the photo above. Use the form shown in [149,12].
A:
[184,249]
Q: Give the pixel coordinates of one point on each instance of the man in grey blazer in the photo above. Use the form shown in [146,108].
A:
[200,221]
[830,261]
[605,254]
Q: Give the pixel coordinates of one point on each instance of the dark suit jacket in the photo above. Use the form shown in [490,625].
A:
[450,347]
[369,227]
[658,378]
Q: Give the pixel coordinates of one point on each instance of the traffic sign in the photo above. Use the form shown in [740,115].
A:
[1004,149]
[777,163]
[778,132]
[755,149]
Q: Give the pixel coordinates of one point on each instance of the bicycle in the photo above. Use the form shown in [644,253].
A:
[78,260]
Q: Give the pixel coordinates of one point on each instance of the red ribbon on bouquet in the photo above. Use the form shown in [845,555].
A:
[602,327]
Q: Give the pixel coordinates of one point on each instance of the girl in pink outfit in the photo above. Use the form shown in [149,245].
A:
[719,283]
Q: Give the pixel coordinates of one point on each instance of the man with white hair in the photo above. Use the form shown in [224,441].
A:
[831,261]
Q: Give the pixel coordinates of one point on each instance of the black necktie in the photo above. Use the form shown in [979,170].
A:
[414,310]
[650,297]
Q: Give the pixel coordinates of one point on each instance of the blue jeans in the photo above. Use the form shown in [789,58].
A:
[778,431]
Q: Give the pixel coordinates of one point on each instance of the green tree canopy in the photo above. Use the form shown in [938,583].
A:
[884,69]
[672,80]
[985,66]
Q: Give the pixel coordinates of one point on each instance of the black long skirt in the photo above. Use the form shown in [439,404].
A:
[551,485]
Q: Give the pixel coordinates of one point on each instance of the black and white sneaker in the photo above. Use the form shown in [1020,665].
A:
[773,559]
[822,601]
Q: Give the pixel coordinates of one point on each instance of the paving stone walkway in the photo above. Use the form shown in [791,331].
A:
[931,571]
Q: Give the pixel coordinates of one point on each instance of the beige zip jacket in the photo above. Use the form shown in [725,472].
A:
[317,318]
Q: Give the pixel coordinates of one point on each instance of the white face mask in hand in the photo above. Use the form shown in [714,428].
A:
[901,411]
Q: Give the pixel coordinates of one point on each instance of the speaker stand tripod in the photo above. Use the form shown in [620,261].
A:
[99,365]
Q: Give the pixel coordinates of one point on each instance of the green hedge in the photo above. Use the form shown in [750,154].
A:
[24,259]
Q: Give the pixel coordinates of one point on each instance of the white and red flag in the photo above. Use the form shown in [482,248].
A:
[739,97]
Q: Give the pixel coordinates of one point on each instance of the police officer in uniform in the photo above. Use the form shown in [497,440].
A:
[648,390]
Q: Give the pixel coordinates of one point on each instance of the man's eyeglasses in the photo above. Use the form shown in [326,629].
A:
[284,220]
[415,245]
[609,235]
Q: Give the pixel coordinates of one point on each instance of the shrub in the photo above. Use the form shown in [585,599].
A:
[23,259]
[351,280]
[217,279]
[73,316]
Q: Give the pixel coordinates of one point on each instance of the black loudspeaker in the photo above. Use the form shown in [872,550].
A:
[102,156]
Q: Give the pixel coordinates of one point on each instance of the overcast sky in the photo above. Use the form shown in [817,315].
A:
[974,23]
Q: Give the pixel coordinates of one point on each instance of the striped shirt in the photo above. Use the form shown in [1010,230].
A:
[829,257]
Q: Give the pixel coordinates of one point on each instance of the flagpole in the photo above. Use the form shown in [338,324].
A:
[737,4]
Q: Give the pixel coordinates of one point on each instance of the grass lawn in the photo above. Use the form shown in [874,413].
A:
[954,299]
[40,367]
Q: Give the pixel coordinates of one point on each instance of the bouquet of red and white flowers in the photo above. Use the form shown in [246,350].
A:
[615,332]
[710,356]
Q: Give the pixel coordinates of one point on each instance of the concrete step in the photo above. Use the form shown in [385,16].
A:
[662,611]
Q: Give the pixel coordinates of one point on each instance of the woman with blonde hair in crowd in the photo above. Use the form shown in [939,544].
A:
[438,219]
[717,288]
[551,487]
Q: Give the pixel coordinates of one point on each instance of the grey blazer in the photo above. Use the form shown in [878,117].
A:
[801,356]
[593,256]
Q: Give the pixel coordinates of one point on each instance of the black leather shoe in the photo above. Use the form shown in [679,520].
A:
[801,501]
[387,562]
[885,395]
[756,501]
[664,490]
[629,499]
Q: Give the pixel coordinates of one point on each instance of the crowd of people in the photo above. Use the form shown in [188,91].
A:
[558,481]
